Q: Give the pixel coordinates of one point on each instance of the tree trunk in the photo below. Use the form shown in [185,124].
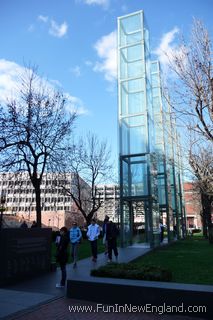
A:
[204,224]
[206,203]
[38,202]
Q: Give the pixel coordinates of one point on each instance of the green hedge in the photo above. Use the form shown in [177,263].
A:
[132,271]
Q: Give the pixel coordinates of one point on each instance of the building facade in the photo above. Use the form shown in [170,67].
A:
[58,209]
[110,200]
[193,206]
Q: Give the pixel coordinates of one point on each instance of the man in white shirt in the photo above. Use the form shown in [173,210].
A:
[93,234]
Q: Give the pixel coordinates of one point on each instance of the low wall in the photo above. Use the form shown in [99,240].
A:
[24,253]
[158,297]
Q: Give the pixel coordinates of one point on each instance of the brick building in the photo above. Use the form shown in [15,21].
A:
[193,206]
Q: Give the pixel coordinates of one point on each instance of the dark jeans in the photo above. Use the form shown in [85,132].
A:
[112,245]
[94,248]
[74,253]
[63,273]
[161,236]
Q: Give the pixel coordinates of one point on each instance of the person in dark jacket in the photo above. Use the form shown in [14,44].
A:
[34,225]
[111,237]
[24,225]
[62,255]
[106,220]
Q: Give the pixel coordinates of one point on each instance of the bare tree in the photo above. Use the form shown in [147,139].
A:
[193,102]
[33,131]
[90,165]
[193,97]
[202,164]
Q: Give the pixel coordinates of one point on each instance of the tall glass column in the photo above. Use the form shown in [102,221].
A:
[138,167]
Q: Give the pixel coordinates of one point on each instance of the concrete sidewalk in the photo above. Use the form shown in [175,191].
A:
[38,298]
[27,295]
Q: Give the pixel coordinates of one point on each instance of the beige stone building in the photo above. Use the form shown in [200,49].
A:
[110,197]
[58,209]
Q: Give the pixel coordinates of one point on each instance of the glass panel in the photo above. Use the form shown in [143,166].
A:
[124,96]
[135,176]
[132,53]
[134,137]
[135,69]
[125,167]
[125,138]
[131,23]
[138,140]
[160,166]
[136,103]
[155,92]
[161,191]
[139,179]
[138,175]
[126,223]
[156,104]
[155,80]
[154,67]
[134,85]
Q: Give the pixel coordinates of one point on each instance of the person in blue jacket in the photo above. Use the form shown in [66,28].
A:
[75,238]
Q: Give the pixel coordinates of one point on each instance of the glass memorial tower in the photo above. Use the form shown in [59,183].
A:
[145,186]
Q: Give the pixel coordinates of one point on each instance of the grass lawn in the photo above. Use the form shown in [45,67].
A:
[190,260]
[84,250]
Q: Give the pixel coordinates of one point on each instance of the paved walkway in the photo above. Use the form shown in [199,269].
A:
[29,294]
[40,299]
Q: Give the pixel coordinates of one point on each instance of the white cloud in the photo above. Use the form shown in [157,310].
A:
[10,76]
[166,49]
[106,50]
[88,63]
[58,30]
[75,104]
[55,29]
[31,28]
[43,18]
[76,71]
[103,3]
[10,73]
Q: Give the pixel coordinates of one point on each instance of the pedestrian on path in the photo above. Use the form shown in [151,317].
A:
[34,224]
[106,220]
[75,238]
[24,225]
[111,237]
[93,234]
[62,255]
[161,231]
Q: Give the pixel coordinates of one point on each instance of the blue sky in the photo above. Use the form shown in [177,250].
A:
[73,44]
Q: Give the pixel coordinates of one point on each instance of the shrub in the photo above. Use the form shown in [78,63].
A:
[132,271]
[196,230]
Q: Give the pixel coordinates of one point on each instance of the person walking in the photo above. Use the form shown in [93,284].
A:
[93,234]
[161,231]
[106,220]
[24,225]
[34,225]
[111,237]
[75,238]
[62,255]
